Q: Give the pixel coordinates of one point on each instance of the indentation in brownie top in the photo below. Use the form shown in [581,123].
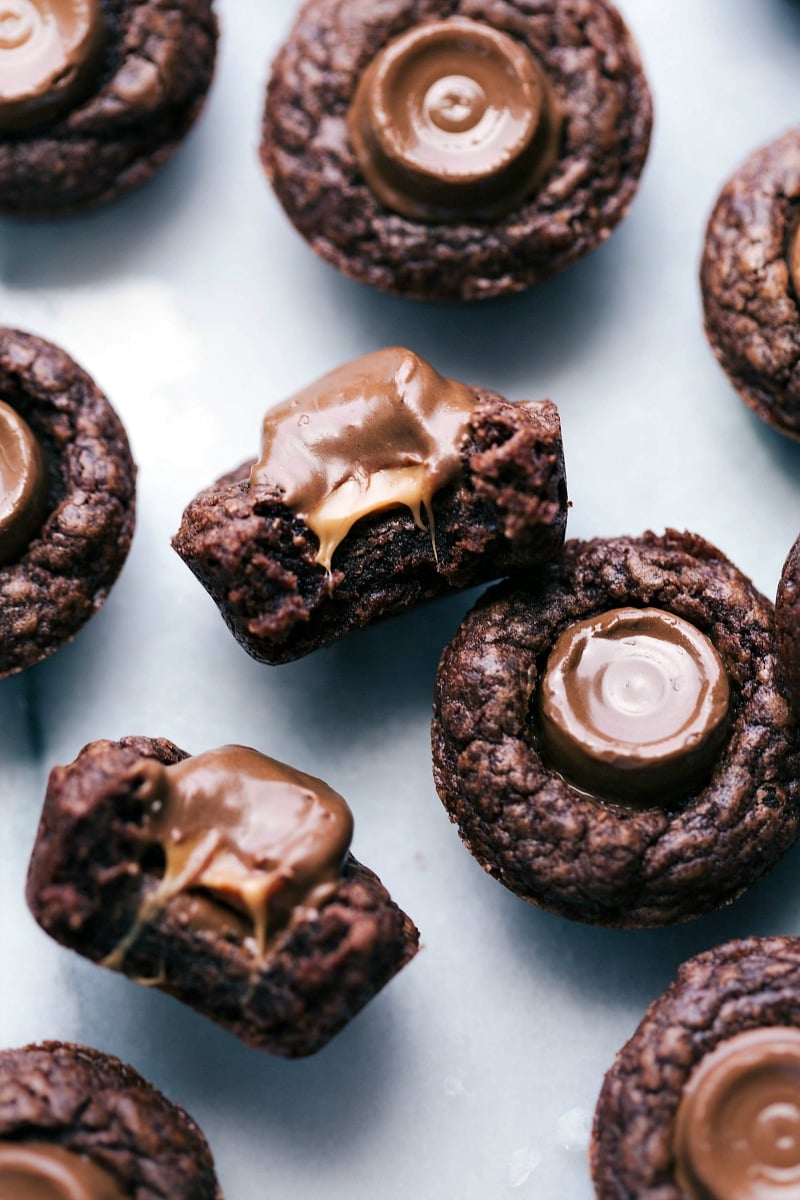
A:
[382,431]
[454,118]
[23,483]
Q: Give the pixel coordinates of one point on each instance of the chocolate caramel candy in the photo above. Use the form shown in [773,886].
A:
[49,52]
[23,483]
[454,119]
[41,1171]
[794,258]
[633,705]
[381,431]
[737,1134]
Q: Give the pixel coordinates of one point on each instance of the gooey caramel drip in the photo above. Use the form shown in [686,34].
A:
[381,431]
[40,1171]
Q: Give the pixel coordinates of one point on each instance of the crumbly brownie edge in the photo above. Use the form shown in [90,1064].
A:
[787,621]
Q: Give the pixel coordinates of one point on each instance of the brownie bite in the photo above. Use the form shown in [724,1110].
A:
[224,879]
[67,499]
[750,278]
[95,95]
[787,620]
[380,486]
[612,739]
[78,1123]
[704,1100]
[456,150]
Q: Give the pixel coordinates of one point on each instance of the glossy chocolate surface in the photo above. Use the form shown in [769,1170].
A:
[794,258]
[381,431]
[737,1133]
[41,1171]
[49,52]
[454,119]
[633,705]
[23,484]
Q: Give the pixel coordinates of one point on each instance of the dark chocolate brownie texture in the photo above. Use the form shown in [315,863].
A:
[62,576]
[750,278]
[582,53]
[91,1104]
[787,620]
[571,852]
[144,69]
[505,508]
[97,884]
[742,986]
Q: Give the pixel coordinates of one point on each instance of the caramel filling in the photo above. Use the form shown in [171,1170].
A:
[23,484]
[50,50]
[737,1133]
[454,119]
[250,845]
[40,1171]
[382,431]
[633,705]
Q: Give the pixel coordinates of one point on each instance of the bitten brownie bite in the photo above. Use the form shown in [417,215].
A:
[224,879]
[95,95]
[751,282]
[612,739]
[787,620]
[703,1103]
[76,1124]
[456,149]
[67,499]
[379,486]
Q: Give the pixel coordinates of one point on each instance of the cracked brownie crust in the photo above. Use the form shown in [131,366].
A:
[67,570]
[564,850]
[92,867]
[752,308]
[95,1105]
[787,619]
[157,68]
[593,65]
[739,986]
[258,560]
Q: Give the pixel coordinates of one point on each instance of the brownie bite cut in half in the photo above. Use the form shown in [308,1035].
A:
[76,1124]
[456,149]
[750,279]
[787,620]
[224,879]
[380,486]
[703,1103]
[67,499]
[612,739]
[95,95]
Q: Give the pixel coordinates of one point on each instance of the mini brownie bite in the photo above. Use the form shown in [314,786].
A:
[95,95]
[750,278]
[76,1124]
[67,499]
[787,620]
[379,486]
[224,879]
[456,150]
[703,1103]
[612,739]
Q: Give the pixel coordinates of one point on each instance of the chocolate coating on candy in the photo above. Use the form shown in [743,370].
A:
[737,1133]
[794,259]
[49,52]
[23,484]
[633,705]
[40,1171]
[381,431]
[454,118]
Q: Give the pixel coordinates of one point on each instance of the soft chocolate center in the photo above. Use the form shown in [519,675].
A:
[40,1171]
[23,484]
[382,431]
[454,119]
[633,705]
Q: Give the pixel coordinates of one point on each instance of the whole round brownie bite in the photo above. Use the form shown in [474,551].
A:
[787,620]
[95,95]
[224,879]
[67,499]
[456,150]
[703,1103]
[750,279]
[76,1124]
[612,739]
